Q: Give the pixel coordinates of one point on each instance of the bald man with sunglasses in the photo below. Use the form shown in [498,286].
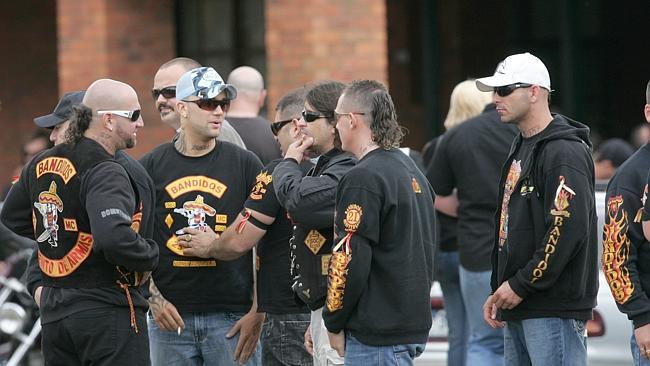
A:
[201,183]
[87,214]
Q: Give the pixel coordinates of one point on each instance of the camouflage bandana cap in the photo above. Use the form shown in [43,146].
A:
[203,82]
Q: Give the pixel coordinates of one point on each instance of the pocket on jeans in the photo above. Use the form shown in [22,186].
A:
[233,317]
[580,327]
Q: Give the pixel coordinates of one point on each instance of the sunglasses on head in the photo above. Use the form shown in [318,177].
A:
[277,126]
[311,116]
[504,91]
[211,104]
[132,115]
[167,93]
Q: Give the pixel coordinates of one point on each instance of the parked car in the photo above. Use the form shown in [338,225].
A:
[609,332]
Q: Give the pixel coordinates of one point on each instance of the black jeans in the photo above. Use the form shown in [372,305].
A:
[97,337]
[283,338]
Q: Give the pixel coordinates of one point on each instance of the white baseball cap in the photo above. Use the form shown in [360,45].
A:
[520,68]
[203,82]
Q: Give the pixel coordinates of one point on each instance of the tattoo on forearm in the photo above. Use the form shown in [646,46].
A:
[156,300]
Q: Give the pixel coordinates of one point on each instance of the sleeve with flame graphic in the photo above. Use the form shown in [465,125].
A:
[616,250]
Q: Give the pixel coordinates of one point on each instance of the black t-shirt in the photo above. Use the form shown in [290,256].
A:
[448,225]
[256,134]
[274,294]
[470,158]
[208,190]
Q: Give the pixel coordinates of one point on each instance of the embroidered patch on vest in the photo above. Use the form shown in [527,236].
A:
[71,261]
[56,165]
[314,241]
[49,205]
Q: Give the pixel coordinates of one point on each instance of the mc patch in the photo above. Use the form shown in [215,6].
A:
[314,241]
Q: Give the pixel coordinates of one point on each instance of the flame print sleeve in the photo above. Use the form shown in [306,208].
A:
[622,239]
[357,220]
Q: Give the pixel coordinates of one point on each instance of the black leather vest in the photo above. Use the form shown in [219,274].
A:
[61,225]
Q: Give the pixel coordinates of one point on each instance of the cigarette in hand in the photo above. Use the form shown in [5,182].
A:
[178,330]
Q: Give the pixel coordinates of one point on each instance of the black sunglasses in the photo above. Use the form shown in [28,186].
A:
[504,91]
[277,126]
[131,115]
[311,116]
[212,104]
[167,93]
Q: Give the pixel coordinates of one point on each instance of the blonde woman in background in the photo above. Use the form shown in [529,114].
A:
[466,102]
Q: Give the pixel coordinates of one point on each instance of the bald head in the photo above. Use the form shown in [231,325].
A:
[250,92]
[246,78]
[107,94]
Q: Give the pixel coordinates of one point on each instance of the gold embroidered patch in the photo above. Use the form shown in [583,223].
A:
[210,263]
[169,221]
[314,241]
[324,263]
[172,244]
[195,183]
[219,228]
[336,280]
[221,219]
[56,165]
[171,204]
[263,180]
[352,217]
[70,224]
[416,186]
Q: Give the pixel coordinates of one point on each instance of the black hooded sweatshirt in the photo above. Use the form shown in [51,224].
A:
[546,243]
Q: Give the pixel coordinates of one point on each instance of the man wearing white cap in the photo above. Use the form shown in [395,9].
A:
[544,261]
[202,311]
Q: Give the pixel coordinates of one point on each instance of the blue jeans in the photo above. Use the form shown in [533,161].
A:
[485,345]
[448,277]
[546,341]
[359,354]
[283,340]
[639,360]
[202,342]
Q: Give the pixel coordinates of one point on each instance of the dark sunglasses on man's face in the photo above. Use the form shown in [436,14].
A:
[212,104]
[311,116]
[277,126]
[504,91]
[167,93]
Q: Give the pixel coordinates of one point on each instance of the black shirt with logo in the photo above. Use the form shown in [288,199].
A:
[274,294]
[208,190]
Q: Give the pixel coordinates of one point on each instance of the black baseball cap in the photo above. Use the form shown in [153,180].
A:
[62,111]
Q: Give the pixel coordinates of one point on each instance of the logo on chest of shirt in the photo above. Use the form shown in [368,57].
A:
[195,183]
[195,211]
[263,180]
[49,205]
[314,241]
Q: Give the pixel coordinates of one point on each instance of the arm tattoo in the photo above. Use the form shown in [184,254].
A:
[156,300]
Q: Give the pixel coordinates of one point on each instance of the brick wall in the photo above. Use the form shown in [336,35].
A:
[28,75]
[122,40]
[310,40]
